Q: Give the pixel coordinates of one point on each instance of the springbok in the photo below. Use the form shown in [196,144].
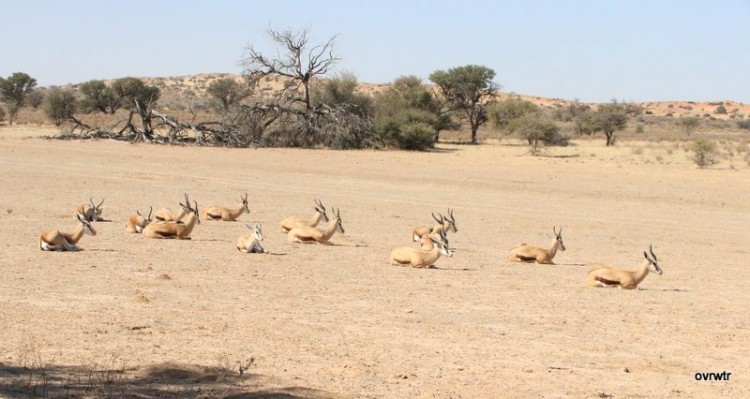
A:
[308,235]
[174,229]
[92,212]
[294,221]
[445,223]
[136,223]
[607,276]
[55,240]
[424,257]
[527,253]
[166,214]
[250,243]
[216,212]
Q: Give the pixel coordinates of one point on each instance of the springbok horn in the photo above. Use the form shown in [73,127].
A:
[436,219]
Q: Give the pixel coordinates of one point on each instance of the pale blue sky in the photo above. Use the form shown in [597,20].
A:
[592,50]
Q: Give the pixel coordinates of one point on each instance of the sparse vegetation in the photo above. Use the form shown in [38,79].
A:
[704,153]
[688,124]
[227,93]
[537,131]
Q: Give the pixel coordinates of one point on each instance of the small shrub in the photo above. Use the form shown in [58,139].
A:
[721,110]
[744,124]
[417,136]
[704,153]
[639,128]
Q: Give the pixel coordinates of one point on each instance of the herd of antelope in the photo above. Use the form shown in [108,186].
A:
[433,240]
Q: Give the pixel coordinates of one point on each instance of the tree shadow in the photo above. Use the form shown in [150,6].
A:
[560,156]
[164,380]
[441,150]
[458,142]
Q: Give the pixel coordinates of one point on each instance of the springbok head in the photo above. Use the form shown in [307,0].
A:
[322,210]
[442,243]
[652,260]
[337,218]
[244,203]
[146,218]
[188,209]
[257,233]
[451,221]
[96,210]
[87,227]
[558,237]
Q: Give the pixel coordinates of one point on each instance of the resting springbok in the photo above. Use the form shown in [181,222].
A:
[250,243]
[424,257]
[527,253]
[216,212]
[174,229]
[55,240]
[92,213]
[166,214]
[606,276]
[446,223]
[294,221]
[308,235]
[136,223]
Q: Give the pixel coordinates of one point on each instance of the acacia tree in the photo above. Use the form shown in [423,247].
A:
[138,98]
[13,92]
[60,104]
[468,90]
[227,92]
[608,119]
[301,62]
[98,97]
[688,124]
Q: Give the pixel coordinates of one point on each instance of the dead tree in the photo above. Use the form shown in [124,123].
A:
[300,62]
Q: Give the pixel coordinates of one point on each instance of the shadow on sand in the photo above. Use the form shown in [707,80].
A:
[157,381]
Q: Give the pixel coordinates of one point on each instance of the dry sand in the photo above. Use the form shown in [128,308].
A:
[152,318]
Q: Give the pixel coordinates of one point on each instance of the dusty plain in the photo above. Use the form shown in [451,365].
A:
[133,317]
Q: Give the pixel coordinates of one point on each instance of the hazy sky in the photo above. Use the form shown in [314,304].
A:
[630,50]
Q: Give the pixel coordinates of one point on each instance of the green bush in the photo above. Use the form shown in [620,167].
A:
[60,104]
[409,130]
[538,132]
[704,153]
[416,136]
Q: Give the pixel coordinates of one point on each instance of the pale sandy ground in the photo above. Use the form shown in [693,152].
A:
[338,321]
